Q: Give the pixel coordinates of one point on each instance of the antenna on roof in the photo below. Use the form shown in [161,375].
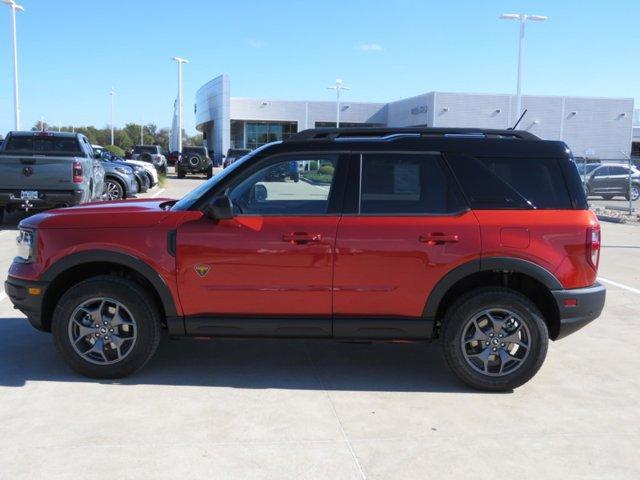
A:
[519,120]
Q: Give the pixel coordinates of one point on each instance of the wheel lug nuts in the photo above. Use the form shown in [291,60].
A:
[494,349]
[502,344]
[97,325]
[486,343]
[111,330]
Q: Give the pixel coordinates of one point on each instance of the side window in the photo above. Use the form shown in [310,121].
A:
[619,171]
[290,186]
[601,172]
[396,183]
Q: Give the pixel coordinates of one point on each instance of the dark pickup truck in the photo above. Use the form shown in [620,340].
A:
[41,170]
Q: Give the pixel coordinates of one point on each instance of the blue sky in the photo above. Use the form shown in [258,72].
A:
[72,52]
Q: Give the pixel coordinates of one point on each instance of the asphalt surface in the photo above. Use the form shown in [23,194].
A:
[226,409]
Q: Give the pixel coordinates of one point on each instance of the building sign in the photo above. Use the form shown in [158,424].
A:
[419,110]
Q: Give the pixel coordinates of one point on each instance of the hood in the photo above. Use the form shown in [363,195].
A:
[139,213]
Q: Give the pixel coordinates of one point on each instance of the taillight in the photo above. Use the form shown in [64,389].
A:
[593,246]
[77,172]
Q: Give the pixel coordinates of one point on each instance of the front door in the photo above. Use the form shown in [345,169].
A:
[411,227]
[274,259]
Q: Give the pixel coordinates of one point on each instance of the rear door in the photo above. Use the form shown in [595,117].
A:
[600,180]
[408,228]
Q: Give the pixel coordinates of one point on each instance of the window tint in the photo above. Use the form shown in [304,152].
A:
[406,184]
[618,171]
[602,172]
[44,145]
[511,183]
[292,186]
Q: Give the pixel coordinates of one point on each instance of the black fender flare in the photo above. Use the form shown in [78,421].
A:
[490,264]
[118,258]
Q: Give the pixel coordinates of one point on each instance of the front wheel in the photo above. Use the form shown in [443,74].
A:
[634,193]
[494,339]
[113,190]
[106,327]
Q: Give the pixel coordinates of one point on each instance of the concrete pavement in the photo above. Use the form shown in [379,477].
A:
[227,409]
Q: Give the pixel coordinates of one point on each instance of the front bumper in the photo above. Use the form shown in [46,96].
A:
[588,301]
[46,199]
[21,293]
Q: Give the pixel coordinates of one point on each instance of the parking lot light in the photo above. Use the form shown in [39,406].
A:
[179,61]
[522,17]
[16,98]
[337,87]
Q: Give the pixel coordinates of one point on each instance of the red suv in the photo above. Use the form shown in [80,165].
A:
[481,239]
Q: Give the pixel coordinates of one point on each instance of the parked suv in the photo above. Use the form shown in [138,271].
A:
[194,160]
[612,179]
[40,170]
[151,154]
[234,154]
[479,239]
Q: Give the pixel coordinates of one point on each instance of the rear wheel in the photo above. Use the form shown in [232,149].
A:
[180,172]
[106,327]
[494,339]
[607,197]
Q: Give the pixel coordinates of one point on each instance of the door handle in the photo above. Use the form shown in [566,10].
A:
[438,239]
[301,238]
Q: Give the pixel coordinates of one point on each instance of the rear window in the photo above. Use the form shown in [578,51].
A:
[43,145]
[150,149]
[511,183]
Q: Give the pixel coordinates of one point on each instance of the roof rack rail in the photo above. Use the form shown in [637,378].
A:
[390,133]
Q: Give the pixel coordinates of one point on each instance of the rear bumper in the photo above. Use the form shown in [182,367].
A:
[27,302]
[46,199]
[589,303]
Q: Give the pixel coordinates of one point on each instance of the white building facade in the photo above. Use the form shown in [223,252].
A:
[591,126]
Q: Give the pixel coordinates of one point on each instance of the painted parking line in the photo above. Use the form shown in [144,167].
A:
[619,285]
[158,193]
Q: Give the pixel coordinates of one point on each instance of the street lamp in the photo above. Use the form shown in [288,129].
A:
[112,94]
[522,18]
[180,61]
[337,87]
[16,100]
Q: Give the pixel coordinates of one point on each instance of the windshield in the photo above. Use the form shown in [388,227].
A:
[190,198]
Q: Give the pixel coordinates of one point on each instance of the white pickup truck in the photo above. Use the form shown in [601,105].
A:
[41,170]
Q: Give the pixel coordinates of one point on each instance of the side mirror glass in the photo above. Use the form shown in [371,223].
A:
[220,208]
[260,193]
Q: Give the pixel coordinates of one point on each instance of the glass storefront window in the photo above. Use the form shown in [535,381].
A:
[259,133]
[346,124]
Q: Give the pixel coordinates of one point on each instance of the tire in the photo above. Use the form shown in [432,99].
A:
[209,171]
[634,193]
[116,189]
[522,362]
[607,197]
[135,352]
[180,172]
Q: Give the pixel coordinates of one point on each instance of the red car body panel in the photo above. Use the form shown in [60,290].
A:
[254,264]
[553,239]
[387,266]
[352,266]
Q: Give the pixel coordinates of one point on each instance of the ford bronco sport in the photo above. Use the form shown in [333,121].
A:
[479,239]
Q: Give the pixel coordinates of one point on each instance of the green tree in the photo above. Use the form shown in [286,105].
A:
[115,150]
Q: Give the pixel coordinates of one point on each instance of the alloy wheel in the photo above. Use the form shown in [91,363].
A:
[635,193]
[112,190]
[496,342]
[102,331]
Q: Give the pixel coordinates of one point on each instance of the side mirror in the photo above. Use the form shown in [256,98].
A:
[220,208]
[97,155]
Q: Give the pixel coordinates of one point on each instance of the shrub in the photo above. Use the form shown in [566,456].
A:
[326,170]
[117,151]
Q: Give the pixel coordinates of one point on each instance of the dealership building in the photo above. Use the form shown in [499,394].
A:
[591,126]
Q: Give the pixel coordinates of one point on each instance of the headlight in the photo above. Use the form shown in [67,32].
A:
[26,244]
[123,170]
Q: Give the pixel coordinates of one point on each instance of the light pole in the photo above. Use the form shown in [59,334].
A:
[337,87]
[141,133]
[112,94]
[16,98]
[180,61]
[522,17]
